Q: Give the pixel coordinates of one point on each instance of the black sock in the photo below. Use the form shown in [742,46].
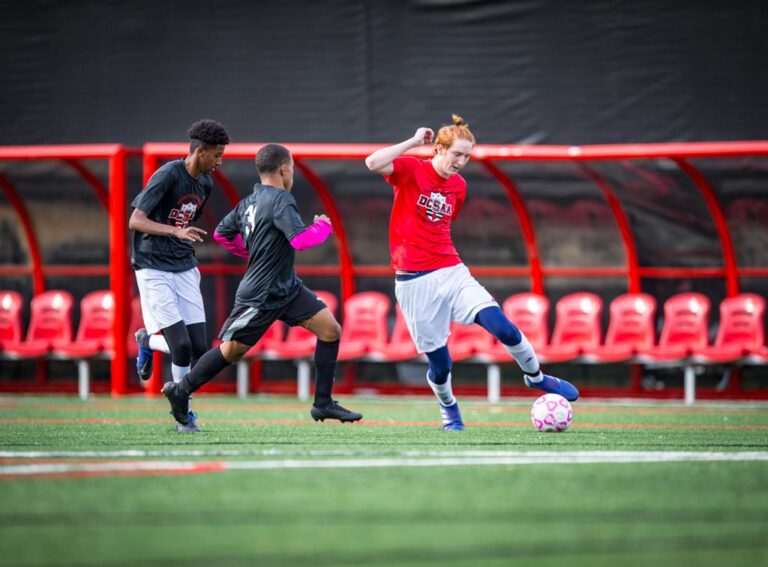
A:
[209,365]
[326,354]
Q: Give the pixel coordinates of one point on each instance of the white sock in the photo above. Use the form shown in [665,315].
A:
[179,372]
[526,358]
[158,342]
[444,392]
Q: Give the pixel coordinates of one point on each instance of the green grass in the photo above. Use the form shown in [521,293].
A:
[660,513]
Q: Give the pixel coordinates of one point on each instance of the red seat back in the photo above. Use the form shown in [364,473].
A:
[51,317]
[365,318]
[578,320]
[686,320]
[529,311]
[400,333]
[741,321]
[10,316]
[97,315]
[633,321]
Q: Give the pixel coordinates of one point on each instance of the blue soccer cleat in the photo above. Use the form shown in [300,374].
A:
[190,426]
[451,417]
[553,385]
[144,358]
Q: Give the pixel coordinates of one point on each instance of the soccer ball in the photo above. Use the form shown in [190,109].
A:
[551,413]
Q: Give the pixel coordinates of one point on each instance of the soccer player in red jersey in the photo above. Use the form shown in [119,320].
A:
[432,285]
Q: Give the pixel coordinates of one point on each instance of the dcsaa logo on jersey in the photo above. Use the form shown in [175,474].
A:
[185,211]
[436,206]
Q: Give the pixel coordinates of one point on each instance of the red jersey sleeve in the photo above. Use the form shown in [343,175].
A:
[401,169]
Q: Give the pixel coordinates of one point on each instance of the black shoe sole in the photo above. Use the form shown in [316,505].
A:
[340,419]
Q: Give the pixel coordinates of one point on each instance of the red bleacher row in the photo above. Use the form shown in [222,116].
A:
[577,335]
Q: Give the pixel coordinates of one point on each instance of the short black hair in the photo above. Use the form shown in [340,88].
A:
[207,134]
[270,157]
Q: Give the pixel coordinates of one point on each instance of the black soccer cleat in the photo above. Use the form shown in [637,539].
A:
[335,411]
[179,402]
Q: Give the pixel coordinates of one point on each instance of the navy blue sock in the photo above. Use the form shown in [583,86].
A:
[440,364]
[493,320]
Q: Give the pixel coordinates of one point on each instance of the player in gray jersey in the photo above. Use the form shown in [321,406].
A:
[164,256]
[266,228]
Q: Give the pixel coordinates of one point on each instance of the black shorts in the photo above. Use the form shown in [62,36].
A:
[247,324]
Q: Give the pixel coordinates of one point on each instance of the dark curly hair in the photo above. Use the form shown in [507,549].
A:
[207,134]
[270,157]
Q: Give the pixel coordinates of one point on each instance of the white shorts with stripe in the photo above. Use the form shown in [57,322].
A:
[430,302]
[169,297]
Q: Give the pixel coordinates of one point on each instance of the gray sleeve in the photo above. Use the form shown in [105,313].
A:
[286,215]
[229,225]
[157,186]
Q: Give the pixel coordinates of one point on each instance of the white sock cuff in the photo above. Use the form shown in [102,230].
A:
[524,355]
[158,342]
[444,392]
[179,372]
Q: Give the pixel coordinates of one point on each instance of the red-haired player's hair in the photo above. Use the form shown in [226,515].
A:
[447,135]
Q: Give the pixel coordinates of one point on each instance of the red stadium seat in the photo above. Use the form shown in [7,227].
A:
[400,346]
[365,324]
[740,333]
[50,320]
[11,303]
[685,329]
[631,329]
[466,341]
[577,328]
[94,334]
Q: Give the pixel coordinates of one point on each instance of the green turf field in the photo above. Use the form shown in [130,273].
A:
[109,482]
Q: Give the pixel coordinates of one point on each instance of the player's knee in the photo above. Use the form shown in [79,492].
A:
[181,350]
[509,334]
[233,351]
[330,332]
[440,365]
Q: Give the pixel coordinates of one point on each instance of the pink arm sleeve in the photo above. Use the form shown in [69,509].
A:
[315,234]
[236,245]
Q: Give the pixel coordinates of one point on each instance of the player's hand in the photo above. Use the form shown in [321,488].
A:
[424,136]
[324,218]
[190,234]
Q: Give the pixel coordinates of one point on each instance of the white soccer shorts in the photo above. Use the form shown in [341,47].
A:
[170,297]
[430,302]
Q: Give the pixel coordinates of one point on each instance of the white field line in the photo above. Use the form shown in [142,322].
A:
[640,456]
[520,458]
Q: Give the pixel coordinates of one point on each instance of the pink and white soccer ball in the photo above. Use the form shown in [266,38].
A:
[551,413]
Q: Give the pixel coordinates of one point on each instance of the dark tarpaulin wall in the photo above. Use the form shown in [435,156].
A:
[337,71]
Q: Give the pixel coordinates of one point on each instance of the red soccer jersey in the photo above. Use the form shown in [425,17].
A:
[424,206]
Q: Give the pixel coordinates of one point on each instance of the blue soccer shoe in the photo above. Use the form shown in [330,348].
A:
[553,385]
[144,358]
[451,417]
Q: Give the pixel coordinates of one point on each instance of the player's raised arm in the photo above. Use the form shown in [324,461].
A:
[381,160]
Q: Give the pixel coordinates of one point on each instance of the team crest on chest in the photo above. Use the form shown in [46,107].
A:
[436,206]
[185,210]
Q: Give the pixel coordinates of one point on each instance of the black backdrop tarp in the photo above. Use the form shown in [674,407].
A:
[344,71]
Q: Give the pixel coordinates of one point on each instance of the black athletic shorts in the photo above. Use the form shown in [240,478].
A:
[247,324]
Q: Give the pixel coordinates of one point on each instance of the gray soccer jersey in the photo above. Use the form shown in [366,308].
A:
[267,220]
[172,196]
